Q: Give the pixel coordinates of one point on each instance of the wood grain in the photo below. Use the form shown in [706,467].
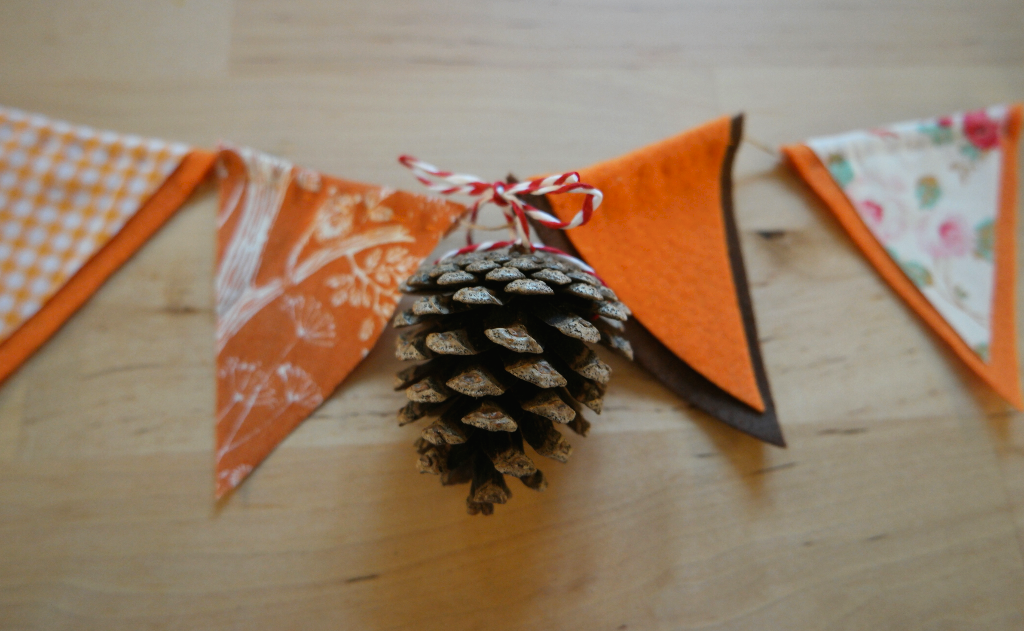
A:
[898,505]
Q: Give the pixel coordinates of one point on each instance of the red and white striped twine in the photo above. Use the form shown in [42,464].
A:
[506,197]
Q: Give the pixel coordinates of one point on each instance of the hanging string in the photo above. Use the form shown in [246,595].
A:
[757,144]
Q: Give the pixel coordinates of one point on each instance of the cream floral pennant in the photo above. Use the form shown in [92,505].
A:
[929,193]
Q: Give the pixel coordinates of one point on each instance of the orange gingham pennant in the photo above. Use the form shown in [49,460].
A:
[65,191]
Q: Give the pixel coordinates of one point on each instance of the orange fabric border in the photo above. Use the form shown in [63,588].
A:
[77,290]
[1002,372]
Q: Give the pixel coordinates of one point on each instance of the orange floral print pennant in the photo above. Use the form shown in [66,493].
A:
[308,269]
[75,204]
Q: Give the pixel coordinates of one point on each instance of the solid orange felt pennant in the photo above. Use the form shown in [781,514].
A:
[659,239]
[75,204]
[307,277]
[898,225]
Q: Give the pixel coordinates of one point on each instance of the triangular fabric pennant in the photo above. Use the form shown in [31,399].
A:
[75,204]
[666,241]
[932,204]
[307,277]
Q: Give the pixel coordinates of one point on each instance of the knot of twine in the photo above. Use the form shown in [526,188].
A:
[506,196]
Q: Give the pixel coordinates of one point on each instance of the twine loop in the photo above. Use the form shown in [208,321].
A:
[506,196]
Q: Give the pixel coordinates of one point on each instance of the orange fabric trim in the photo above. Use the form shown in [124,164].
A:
[659,240]
[1002,372]
[157,210]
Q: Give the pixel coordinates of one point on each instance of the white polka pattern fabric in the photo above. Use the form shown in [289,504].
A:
[65,191]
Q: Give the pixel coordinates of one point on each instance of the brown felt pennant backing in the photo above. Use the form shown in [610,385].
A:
[701,341]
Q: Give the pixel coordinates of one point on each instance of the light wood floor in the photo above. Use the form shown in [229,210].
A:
[898,505]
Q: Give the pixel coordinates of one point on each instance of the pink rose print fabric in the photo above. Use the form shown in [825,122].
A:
[928,191]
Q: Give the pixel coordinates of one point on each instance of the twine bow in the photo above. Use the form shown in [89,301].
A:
[506,196]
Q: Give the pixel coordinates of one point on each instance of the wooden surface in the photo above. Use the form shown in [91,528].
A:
[898,505]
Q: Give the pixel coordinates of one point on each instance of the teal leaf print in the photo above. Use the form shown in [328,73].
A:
[981,350]
[938,134]
[840,169]
[918,273]
[928,191]
[971,152]
[985,240]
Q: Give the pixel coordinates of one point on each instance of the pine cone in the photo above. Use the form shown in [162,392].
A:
[504,337]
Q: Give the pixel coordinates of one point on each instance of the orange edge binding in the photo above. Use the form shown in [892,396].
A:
[77,290]
[1002,371]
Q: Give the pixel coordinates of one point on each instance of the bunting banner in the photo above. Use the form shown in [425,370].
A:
[666,241]
[75,204]
[932,204]
[308,269]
